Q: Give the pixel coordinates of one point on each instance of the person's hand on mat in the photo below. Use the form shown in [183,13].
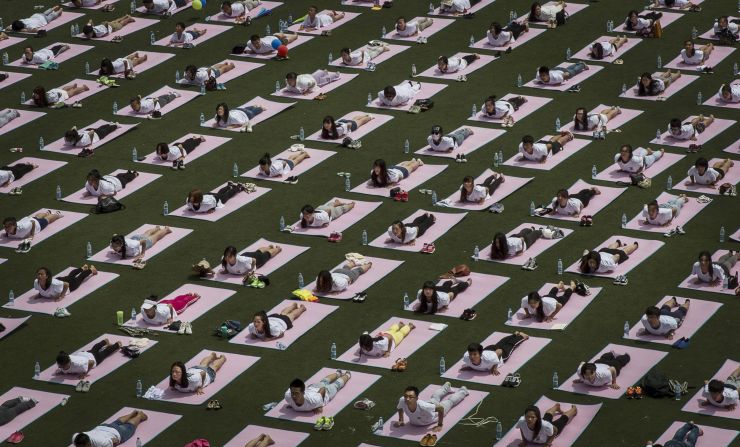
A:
[318,410]
[199,391]
[398,423]
[614,386]
[578,381]
[437,428]
[60,297]
[548,319]
[495,371]
[211,211]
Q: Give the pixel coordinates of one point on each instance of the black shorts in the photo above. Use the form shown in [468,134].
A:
[721,172]
[700,127]
[285,318]
[615,251]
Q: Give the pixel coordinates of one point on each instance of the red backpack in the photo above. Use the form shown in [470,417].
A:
[198,443]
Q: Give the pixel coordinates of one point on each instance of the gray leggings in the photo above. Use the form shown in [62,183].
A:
[573,69]
[333,210]
[50,14]
[163,100]
[332,388]
[353,273]
[448,402]
[7,116]
[460,135]
[727,262]
[12,408]
[675,204]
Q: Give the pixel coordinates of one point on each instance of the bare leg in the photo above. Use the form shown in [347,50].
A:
[3,36]
[611,112]
[49,215]
[724,165]
[218,362]
[555,409]
[135,418]
[272,249]
[75,89]
[336,16]
[136,59]
[562,139]
[200,31]
[266,441]
[298,157]
[286,38]
[707,50]
[363,267]
[159,233]
[362,119]
[208,359]
[296,312]
[707,120]
[629,249]
[412,165]
[224,67]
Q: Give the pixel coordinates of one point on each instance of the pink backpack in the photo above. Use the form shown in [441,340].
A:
[198,443]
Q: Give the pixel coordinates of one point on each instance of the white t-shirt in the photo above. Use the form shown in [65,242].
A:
[444,144]
[161,6]
[549,305]
[730,397]
[607,264]
[319,21]
[102,436]
[320,218]
[572,206]
[443,300]
[501,108]
[394,175]
[412,28]
[86,139]
[242,266]
[410,234]
[209,203]
[132,247]
[24,227]
[55,288]
[706,277]
[514,245]
[405,92]
[379,348]
[202,74]
[503,38]
[539,150]
[549,12]
[696,59]
[56,95]
[236,118]
[357,57]
[734,92]
[79,362]
[594,120]
[457,6]
[6,176]
[664,216]
[278,168]
[634,165]
[732,27]
[304,83]
[185,37]
[546,430]
[478,192]
[237,10]
[107,186]
[710,176]
[39,57]
[162,313]
[342,129]
[685,132]
[488,359]
[425,414]
[120,65]
[667,324]
[607,47]
[311,399]
[173,153]
[556,77]
[339,282]
[36,21]
[195,380]
[455,64]
[149,105]
[641,24]
[101,30]
[265,45]
[277,328]
[602,376]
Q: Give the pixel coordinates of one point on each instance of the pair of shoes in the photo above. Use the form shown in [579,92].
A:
[16,438]
[497,208]
[725,189]
[508,122]
[16,191]
[462,78]
[582,289]
[468,315]
[429,439]
[586,221]
[542,211]
[324,423]
[681,343]
[355,144]
[428,248]
[139,264]
[359,297]
[292,180]
[16,149]
[254,281]
[704,199]
[213,405]
[188,328]
[117,39]
[326,33]
[620,280]
[670,233]
[62,312]
[335,236]
[180,165]
[575,88]
[402,196]
[364,404]
[400,365]
[83,386]
[530,265]
[460,158]
[181,328]
[693,148]
[421,40]
[512,380]
[24,246]
[706,69]
[85,153]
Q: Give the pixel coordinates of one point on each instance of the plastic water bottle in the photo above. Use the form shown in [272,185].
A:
[134,154]
[202,89]
[699,99]
[555,380]
[115,107]
[87,67]
[133,6]
[567,53]
[202,118]
[6,58]
[381,422]
[442,367]
[59,193]
[139,443]
[472,40]
[72,30]
[281,346]
[300,281]
[152,39]
[41,143]
[413,70]
[88,249]
[11,298]
[624,89]
[677,393]
[694,33]
[133,313]
[726,283]
[301,134]
[495,160]
[509,313]
[473,111]
[235,171]
[405,301]
[331,57]
[383,32]
[177,76]
[476,253]
[501,156]
[165,208]
[519,80]
[531,208]
[434,197]
[626,329]
[735,69]
[722,234]
[268,31]
[609,26]
[659,62]
[290,18]
[36,369]
[658,134]
[560,267]
[282,223]
[277,86]
[557,124]
[406,146]
[431,8]
[23,97]
[511,16]
[594,171]
[499,431]
[669,184]
[333,351]
[624,220]
[347,185]
[515,14]
[364,237]
[139,388]
[369,98]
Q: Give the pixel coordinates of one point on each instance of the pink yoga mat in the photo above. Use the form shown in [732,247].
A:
[433,72]
[712,437]
[317,156]
[444,223]
[678,8]
[393,50]
[25,117]
[147,430]
[509,186]
[185,97]
[427,90]
[715,101]
[672,89]
[205,147]
[617,122]
[535,250]
[736,236]
[343,79]
[641,361]
[523,353]
[598,203]
[348,394]
[281,437]
[143,10]
[478,6]
[719,54]
[12,78]
[585,53]
[437,26]
[417,338]
[574,429]
[68,219]
[377,121]
[44,167]
[523,38]
[236,202]
[74,50]
[691,283]
[10,41]
[711,131]
[533,104]
[313,315]
[567,314]
[414,432]
[139,24]
[580,77]
[240,68]
[481,136]
[483,285]
[647,248]
[614,174]
[300,40]
[421,175]
[709,35]
[107,255]
[380,269]
[732,177]
[693,406]
[46,403]
[359,212]
[11,324]
[113,362]
[210,297]
[63,19]
[700,312]
[235,365]
[221,17]
[139,182]
[152,60]
[94,7]
[32,302]
[551,161]
[688,211]
[289,253]
[93,86]
[60,147]
[212,30]
[272,109]
[667,19]
[347,17]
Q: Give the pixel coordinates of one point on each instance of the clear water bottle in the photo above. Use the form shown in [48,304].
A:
[139,443]
[624,89]
[531,208]
[501,157]
[177,76]
[165,208]
[347,185]
[472,40]
[609,26]
[383,32]
[594,171]
[442,367]
[509,313]
[290,18]
[281,346]
[568,53]
[72,30]
[369,98]
[626,329]
[726,283]
[431,8]
[202,118]
[476,253]
[735,69]
[659,62]
[41,143]
[658,134]
[624,220]
[405,301]
[473,111]
[134,154]
[516,15]
[11,298]
[495,160]
[235,170]
[364,237]
[722,234]
[277,86]
[88,249]
[23,97]
[499,431]
[36,369]
[6,58]
[301,134]
[381,422]
[87,67]
[282,223]
[281,25]
[333,351]
[699,99]
[560,267]
[511,16]
[58,193]
[413,70]
[694,33]
[677,393]
[152,39]
[115,107]
[406,146]
[202,89]
[139,388]
[268,31]
[133,313]
[557,124]
[519,80]
[669,183]
[133,6]
[434,197]
[300,281]
[331,57]
[555,380]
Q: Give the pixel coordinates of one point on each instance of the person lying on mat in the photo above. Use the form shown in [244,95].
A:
[238,118]
[57,288]
[414,27]
[729,93]
[152,106]
[36,21]
[537,429]
[454,64]
[321,216]
[681,4]
[545,308]
[714,273]
[498,36]
[433,298]
[439,142]
[568,204]
[195,378]
[315,20]
[178,152]
[664,213]
[603,371]
[206,76]
[686,436]
[547,13]
[281,166]
[107,185]
[85,3]
[488,359]
[263,440]
[112,434]
[694,56]
[689,131]
[423,413]
[338,280]
[584,121]
[642,25]
[245,264]
[649,86]
[382,176]
[606,259]
[199,202]
[457,7]
[702,174]
[303,84]
[264,45]
[272,327]
[81,362]
[664,321]
[238,9]
[315,396]
[502,109]
[362,57]
[8,115]
[38,57]
[93,31]
[332,130]
[637,160]
[399,95]
[10,409]
[136,246]
[407,233]
[29,226]
[184,38]
[166,311]
[9,174]
[122,65]
[606,48]
[722,394]
[724,27]
[386,341]
[558,75]
[43,98]
[504,246]
[540,150]
[89,136]
[472,193]
[164,7]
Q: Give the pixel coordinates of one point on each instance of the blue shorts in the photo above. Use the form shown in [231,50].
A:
[352,124]
[210,371]
[42,222]
[193,34]
[148,241]
[216,72]
[402,169]
[125,429]
[290,162]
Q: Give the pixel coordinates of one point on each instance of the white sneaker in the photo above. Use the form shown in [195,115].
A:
[62,312]
[188,328]
[679,230]
[181,329]
[547,233]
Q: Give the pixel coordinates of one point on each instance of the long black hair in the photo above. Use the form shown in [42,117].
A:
[306,209]
[593,254]
[266,161]
[649,90]
[532,13]
[496,28]
[119,239]
[72,136]
[492,99]
[228,251]
[106,67]
[39,97]
[423,305]
[324,281]
[706,254]
[366,342]
[226,113]
[540,312]
[62,358]
[464,192]
[403,229]
[262,315]
[581,124]
[597,51]
[628,23]
[537,423]
[382,178]
[501,249]
[190,72]
[48,277]
[184,378]
[331,133]
[163,149]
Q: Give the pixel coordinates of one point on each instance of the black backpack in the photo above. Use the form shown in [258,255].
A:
[656,384]
[107,204]
[228,329]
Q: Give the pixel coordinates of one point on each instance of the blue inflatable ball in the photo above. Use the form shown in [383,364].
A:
[275,44]
[203,2]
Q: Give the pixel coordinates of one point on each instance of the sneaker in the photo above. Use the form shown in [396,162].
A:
[463,158]
[462,78]
[671,232]
[558,233]
[457,158]
[86,386]
[181,165]
[174,165]
[704,199]
[620,280]
[582,289]
[376,43]
[428,248]
[355,144]
[319,423]
[16,438]
[530,265]
[181,329]
[188,328]
[292,180]
[575,89]
[497,208]
[78,387]
[547,233]
[16,191]
[679,230]
[24,246]
[630,392]
[328,423]
[62,312]
[335,236]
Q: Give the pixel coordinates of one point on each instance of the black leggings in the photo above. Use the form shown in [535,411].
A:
[516,102]
[456,287]
[560,423]
[506,345]
[529,235]
[18,169]
[563,299]
[12,408]
[189,145]
[260,256]
[492,183]
[126,177]
[101,352]
[105,130]
[584,195]
[423,223]
[75,278]
[617,362]
[470,58]
[515,28]
[224,194]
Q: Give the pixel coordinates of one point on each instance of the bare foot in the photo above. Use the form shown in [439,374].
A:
[596,190]
[93,270]
[302,307]
[142,415]
[167,230]
[411,325]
